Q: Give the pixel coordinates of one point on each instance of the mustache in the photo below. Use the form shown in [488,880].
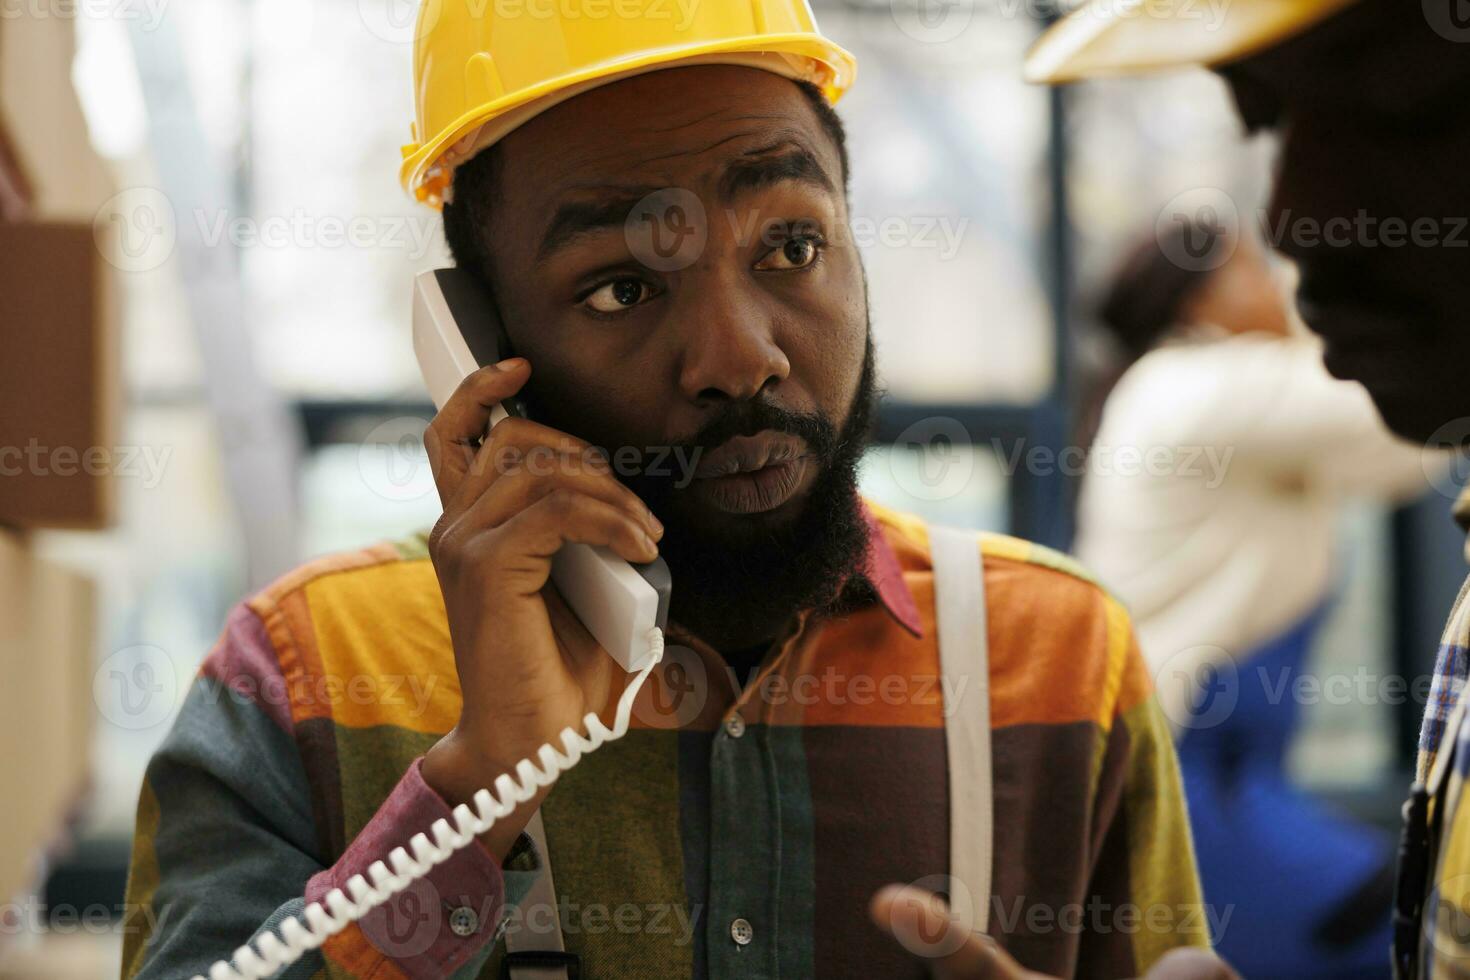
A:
[750,418]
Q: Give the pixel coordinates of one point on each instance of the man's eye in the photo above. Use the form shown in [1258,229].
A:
[618,295]
[794,253]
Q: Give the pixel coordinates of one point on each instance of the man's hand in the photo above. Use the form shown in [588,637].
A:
[920,920]
[512,498]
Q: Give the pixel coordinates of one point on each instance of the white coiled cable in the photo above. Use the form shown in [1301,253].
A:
[270,953]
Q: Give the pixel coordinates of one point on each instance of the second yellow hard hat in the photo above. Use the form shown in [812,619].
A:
[1124,37]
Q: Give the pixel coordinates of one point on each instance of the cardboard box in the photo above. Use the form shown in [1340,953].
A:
[20,782]
[58,378]
[38,102]
[59,391]
[47,640]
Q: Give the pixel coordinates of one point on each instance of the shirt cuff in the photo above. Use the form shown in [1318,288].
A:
[439,922]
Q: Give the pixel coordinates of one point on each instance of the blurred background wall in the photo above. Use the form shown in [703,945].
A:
[219,180]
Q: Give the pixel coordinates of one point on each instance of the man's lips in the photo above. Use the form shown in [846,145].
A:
[752,474]
[746,454]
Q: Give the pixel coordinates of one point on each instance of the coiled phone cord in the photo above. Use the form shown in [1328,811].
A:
[270,953]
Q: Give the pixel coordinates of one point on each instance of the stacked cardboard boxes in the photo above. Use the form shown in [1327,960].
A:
[47,639]
[58,415]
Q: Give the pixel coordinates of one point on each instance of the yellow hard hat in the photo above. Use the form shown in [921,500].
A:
[1120,37]
[483,67]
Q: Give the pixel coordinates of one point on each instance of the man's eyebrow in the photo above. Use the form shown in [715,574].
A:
[763,167]
[576,219]
[766,166]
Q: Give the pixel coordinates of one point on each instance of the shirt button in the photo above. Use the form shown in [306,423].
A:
[735,727]
[463,921]
[741,932]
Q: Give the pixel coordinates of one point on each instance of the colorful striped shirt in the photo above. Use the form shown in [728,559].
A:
[781,806]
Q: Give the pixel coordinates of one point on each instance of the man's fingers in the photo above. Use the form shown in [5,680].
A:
[520,444]
[516,491]
[1191,964]
[565,515]
[452,437]
[921,922]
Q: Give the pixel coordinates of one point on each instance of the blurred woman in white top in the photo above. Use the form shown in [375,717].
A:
[1210,506]
[1223,456]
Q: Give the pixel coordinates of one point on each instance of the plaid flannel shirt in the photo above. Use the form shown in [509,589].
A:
[1444,929]
[295,763]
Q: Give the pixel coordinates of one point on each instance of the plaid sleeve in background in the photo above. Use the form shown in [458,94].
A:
[1444,941]
[1451,668]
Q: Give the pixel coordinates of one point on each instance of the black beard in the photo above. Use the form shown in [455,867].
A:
[735,584]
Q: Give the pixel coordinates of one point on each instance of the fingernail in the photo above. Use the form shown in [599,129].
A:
[651,546]
[655,523]
[510,363]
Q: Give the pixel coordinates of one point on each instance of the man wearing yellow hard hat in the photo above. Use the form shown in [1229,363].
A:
[1371,200]
[653,195]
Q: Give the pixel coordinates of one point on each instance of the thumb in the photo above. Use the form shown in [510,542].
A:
[922,923]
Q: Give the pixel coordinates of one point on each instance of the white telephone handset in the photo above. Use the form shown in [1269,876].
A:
[617,601]
[623,606]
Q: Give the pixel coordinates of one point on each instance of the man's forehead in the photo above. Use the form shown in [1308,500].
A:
[717,132]
[677,127]
[582,208]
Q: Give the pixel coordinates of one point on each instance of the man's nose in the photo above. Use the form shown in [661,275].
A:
[731,351]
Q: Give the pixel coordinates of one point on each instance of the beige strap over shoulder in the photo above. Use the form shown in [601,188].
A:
[535,946]
[964,660]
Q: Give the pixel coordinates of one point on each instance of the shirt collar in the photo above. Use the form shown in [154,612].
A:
[881,568]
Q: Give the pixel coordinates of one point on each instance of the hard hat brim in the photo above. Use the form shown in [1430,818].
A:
[1125,37]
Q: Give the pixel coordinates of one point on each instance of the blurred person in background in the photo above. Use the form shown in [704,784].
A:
[1223,458]
[1371,201]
